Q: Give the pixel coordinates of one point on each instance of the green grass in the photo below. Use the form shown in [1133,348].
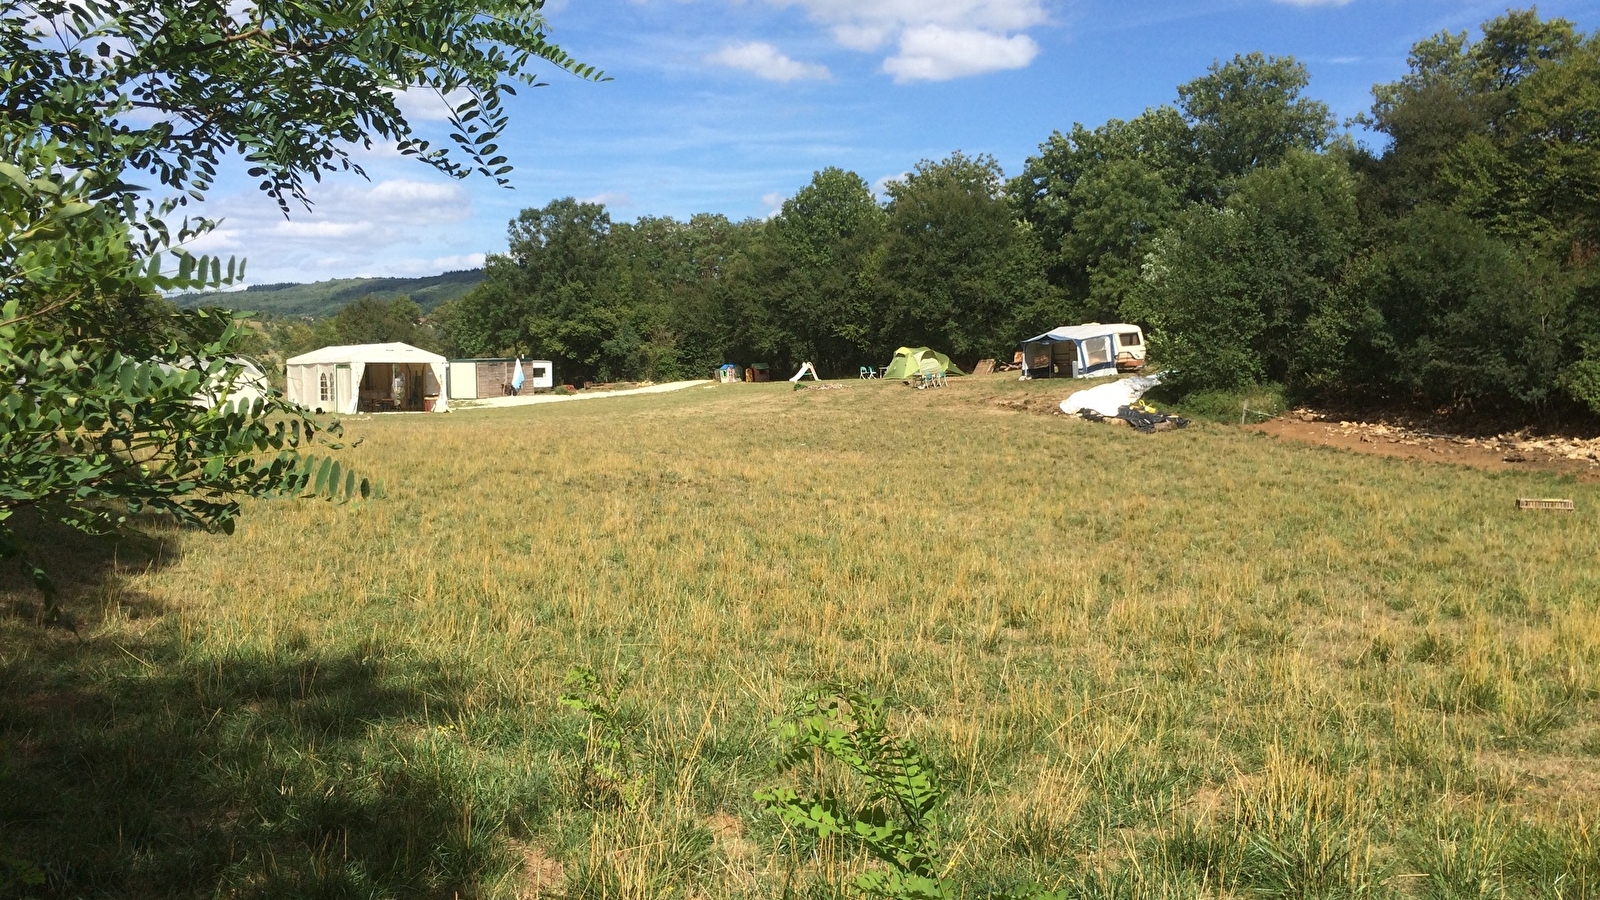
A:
[1200,663]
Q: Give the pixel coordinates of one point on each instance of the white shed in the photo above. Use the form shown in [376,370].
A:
[368,378]
[475,379]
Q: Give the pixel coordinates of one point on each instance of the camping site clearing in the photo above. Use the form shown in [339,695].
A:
[1200,663]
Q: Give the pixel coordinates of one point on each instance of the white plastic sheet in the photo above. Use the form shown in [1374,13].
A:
[1105,399]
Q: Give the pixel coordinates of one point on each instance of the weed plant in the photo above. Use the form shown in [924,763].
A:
[1200,663]
[894,821]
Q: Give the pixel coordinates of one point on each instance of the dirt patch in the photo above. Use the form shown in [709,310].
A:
[541,875]
[1207,802]
[1038,404]
[1505,452]
[728,833]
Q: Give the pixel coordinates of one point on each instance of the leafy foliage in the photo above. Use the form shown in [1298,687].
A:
[822,257]
[111,402]
[1270,263]
[545,295]
[91,438]
[960,271]
[608,746]
[895,821]
[288,86]
[1247,113]
[1100,198]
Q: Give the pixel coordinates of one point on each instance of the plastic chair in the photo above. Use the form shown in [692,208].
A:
[866,372]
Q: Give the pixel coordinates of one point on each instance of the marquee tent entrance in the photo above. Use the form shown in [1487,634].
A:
[368,378]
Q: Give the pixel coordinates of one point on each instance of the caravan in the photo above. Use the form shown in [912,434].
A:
[1084,351]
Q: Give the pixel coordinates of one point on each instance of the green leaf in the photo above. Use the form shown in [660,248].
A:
[321,485]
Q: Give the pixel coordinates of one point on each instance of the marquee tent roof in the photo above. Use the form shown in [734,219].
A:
[394,352]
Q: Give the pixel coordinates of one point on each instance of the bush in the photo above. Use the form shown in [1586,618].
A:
[1228,293]
[1581,380]
[1221,406]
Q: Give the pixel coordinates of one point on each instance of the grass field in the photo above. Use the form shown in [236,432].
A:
[1193,664]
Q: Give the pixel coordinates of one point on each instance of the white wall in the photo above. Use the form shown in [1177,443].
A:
[463,381]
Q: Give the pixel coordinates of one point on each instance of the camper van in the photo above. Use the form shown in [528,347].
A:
[1092,350]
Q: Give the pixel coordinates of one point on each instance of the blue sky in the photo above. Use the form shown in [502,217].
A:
[728,106]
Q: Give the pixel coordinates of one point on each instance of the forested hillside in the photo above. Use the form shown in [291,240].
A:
[1449,261]
[325,298]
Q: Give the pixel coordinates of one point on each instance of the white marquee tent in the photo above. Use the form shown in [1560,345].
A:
[368,377]
[245,388]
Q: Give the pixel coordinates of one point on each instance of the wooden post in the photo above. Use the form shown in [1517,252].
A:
[1244,410]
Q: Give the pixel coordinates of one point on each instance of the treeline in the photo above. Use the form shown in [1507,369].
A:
[369,320]
[1456,266]
[835,278]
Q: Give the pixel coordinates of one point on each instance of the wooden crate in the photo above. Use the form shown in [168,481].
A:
[1529,503]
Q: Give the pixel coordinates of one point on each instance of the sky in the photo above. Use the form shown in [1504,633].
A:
[729,106]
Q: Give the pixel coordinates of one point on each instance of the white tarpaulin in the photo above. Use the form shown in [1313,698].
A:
[1106,399]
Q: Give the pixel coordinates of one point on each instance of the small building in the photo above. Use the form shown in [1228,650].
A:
[472,379]
[391,377]
[1084,351]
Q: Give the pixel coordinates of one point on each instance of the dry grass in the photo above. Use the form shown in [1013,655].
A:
[1200,663]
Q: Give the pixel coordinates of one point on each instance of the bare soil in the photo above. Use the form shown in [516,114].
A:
[1502,452]
[1037,404]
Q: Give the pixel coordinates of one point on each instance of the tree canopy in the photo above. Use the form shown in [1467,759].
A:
[113,118]
[1453,265]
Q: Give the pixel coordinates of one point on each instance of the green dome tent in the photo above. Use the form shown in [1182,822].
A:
[908,361]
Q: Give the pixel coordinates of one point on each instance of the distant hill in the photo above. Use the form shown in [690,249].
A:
[324,298]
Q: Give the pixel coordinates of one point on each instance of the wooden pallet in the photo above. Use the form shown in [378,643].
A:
[1528,503]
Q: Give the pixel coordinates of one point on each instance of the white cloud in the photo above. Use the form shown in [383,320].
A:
[766,61]
[880,188]
[773,203]
[937,53]
[319,231]
[453,263]
[355,226]
[404,199]
[937,39]
[425,104]
[856,22]
[609,198]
